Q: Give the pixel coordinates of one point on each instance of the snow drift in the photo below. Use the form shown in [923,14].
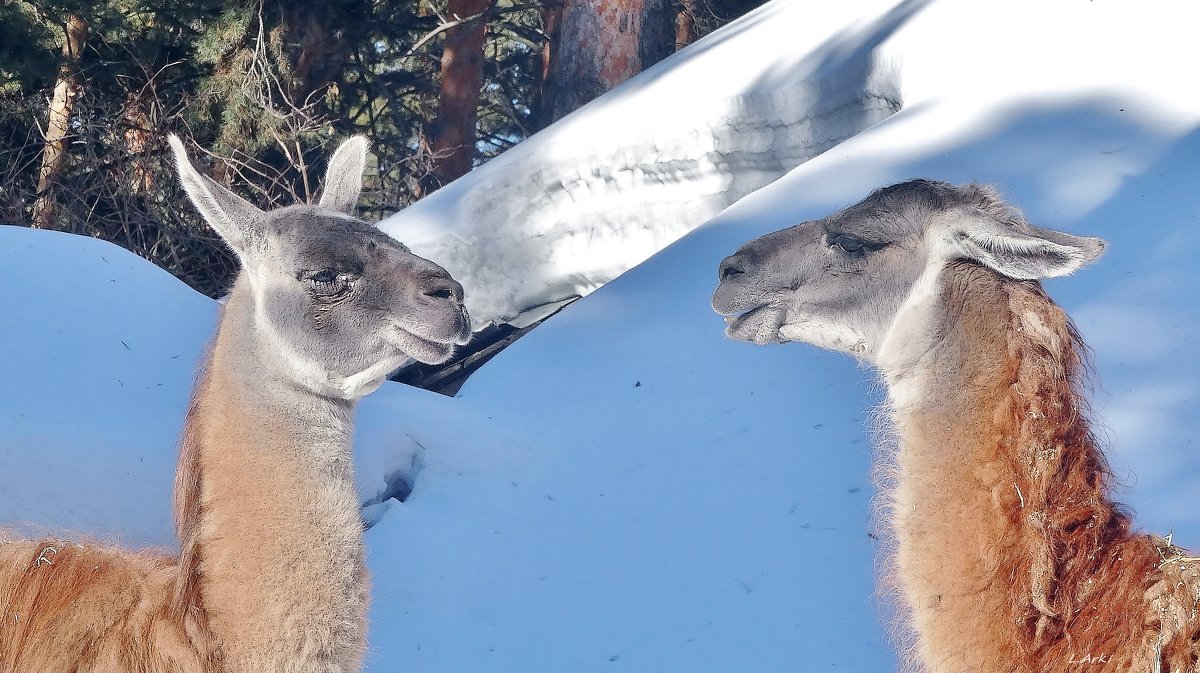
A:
[624,489]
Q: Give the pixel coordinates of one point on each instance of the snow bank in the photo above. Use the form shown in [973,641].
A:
[99,351]
[600,191]
[624,489]
[702,505]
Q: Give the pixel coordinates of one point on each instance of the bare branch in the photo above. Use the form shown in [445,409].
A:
[489,14]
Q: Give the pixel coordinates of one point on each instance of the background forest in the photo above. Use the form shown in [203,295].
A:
[90,88]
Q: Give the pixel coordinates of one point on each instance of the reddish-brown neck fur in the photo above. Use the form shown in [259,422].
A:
[272,560]
[271,575]
[1011,557]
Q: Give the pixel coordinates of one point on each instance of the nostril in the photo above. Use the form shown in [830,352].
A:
[729,270]
[440,293]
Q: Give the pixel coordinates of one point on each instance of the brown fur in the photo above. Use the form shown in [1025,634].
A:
[70,607]
[271,576]
[94,609]
[1011,556]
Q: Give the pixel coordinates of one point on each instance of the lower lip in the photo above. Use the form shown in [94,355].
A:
[735,320]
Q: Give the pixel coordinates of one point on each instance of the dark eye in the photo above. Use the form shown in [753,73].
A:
[848,244]
[323,277]
[327,282]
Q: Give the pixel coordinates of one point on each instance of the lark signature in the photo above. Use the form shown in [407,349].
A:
[1090,659]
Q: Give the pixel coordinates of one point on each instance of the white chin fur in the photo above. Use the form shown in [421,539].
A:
[367,381]
[824,334]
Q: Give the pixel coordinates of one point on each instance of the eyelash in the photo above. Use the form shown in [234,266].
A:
[857,246]
[328,283]
[323,277]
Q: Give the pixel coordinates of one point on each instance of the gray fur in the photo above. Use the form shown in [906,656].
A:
[1027,252]
[799,285]
[337,303]
[232,217]
[343,178]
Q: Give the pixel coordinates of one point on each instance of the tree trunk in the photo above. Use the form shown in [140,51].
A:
[319,51]
[601,43]
[66,90]
[137,133]
[544,104]
[452,140]
[685,24]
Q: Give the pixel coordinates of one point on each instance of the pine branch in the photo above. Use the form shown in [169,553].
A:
[490,14]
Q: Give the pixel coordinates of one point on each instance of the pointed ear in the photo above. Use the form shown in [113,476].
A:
[343,178]
[1023,251]
[235,219]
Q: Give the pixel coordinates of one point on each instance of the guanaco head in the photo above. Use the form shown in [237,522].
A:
[341,303]
[841,282]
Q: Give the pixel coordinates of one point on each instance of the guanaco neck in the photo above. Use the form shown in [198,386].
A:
[999,502]
[265,506]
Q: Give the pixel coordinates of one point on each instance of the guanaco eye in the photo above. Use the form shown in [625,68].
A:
[328,283]
[849,244]
[322,277]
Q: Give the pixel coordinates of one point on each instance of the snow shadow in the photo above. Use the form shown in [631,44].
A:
[715,494]
[847,45]
[1141,318]
[1099,165]
[599,192]
[1110,167]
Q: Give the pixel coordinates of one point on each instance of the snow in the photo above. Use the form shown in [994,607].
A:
[98,349]
[624,489]
[578,204]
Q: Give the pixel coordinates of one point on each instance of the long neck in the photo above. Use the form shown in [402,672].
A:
[270,534]
[999,506]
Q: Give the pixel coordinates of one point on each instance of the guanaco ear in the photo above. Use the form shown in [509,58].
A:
[343,178]
[235,219]
[1023,251]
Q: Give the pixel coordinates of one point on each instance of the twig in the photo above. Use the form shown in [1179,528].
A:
[43,558]
[489,14]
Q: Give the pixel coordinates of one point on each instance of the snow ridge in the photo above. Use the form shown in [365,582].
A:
[570,209]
